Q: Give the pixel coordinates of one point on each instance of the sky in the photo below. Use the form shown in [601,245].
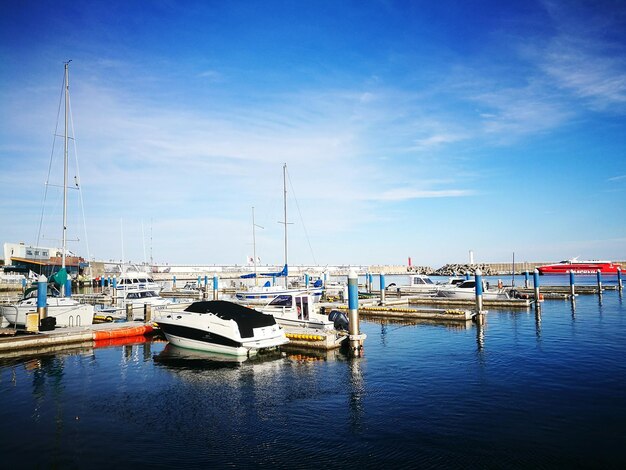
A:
[408,128]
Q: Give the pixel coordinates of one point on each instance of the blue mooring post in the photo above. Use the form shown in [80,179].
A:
[216,286]
[42,297]
[467,276]
[205,293]
[536,285]
[371,279]
[101,283]
[526,279]
[572,288]
[599,275]
[619,279]
[23,285]
[355,338]
[382,288]
[479,291]
[199,282]
[68,287]
[173,282]
[306,280]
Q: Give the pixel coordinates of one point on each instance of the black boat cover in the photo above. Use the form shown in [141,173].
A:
[246,318]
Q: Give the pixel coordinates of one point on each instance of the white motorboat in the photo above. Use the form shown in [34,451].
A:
[418,284]
[132,278]
[467,290]
[222,327]
[65,310]
[297,310]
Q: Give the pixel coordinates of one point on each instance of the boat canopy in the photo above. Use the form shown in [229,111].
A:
[59,278]
[246,318]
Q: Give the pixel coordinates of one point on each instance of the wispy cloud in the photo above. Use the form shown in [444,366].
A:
[584,57]
[404,194]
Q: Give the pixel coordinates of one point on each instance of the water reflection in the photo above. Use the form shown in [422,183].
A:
[573,307]
[187,359]
[538,324]
[480,332]
[357,394]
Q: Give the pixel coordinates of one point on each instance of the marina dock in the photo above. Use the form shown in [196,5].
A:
[15,340]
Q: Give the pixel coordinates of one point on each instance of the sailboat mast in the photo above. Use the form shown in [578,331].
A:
[285,214]
[67,105]
[256,281]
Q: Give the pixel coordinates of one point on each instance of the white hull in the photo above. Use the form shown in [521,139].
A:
[221,327]
[208,347]
[263,295]
[469,294]
[67,312]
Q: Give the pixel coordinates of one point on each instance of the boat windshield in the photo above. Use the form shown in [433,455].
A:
[282,301]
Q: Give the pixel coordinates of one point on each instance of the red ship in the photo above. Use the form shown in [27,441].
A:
[579,267]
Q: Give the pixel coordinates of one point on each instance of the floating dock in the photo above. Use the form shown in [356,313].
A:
[309,338]
[69,336]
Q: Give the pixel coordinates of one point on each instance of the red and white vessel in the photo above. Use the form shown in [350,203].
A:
[579,267]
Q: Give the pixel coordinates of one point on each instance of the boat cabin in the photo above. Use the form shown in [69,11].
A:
[288,301]
[419,280]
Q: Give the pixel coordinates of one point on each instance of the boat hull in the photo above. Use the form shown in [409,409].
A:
[579,268]
[209,332]
[68,312]
[262,297]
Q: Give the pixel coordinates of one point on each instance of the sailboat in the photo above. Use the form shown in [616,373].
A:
[261,295]
[65,310]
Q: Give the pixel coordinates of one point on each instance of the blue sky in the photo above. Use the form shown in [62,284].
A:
[422,129]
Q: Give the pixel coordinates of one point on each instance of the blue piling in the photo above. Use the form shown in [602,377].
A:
[382,288]
[173,282]
[371,279]
[216,286]
[479,291]
[526,280]
[102,283]
[23,284]
[599,276]
[306,280]
[619,279]
[536,286]
[68,287]
[467,276]
[356,339]
[572,288]
[42,296]
[199,282]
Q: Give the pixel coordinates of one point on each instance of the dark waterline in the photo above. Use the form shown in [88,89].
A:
[521,391]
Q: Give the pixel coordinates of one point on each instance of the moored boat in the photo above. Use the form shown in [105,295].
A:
[580,267]
[222,327]
[297,309]
[467,290]
[66,310]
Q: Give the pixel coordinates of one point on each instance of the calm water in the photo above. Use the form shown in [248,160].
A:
[521,391]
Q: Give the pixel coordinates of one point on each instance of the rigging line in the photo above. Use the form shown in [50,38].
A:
[306,233]
[45,192]
[78,182]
